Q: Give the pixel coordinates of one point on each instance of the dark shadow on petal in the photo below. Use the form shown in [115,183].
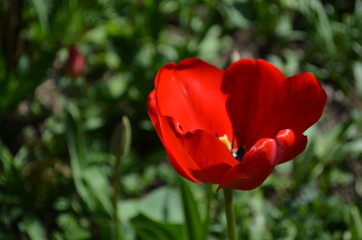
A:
[212,172]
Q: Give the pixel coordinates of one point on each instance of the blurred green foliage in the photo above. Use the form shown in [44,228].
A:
[58,175]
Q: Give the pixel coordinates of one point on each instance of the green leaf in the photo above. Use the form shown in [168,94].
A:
[330,142]
[357,70]
[191,212]
[6,158]
[114,87]
[208,48]
[33,228]
[96,186]
[42,9]
[163,204]
[72,227]
[149,229]
[128,209]
[237,13]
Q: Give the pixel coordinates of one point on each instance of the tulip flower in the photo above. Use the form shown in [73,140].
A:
[75,63]
[232,127]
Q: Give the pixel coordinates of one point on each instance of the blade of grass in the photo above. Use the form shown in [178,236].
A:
[208,211]
[42,9]
[192,215]
[357,221]
[76,147]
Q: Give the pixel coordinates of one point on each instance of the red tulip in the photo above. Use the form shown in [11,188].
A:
[232,127]
[75,64]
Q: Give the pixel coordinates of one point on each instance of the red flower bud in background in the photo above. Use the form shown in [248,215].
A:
[75,63]
[232,127]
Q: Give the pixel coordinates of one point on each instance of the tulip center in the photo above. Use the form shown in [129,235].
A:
[238,153]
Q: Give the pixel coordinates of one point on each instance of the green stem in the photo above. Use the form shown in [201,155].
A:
[116,189]
[230,217]
[120,146]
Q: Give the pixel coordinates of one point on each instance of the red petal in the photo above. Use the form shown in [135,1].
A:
[262,101]
[191,93]
[153,113]
[155,119]
[290,144]
[307,99]
[197,155]
[254,168]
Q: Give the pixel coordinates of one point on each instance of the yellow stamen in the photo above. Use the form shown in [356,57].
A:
[224,139]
